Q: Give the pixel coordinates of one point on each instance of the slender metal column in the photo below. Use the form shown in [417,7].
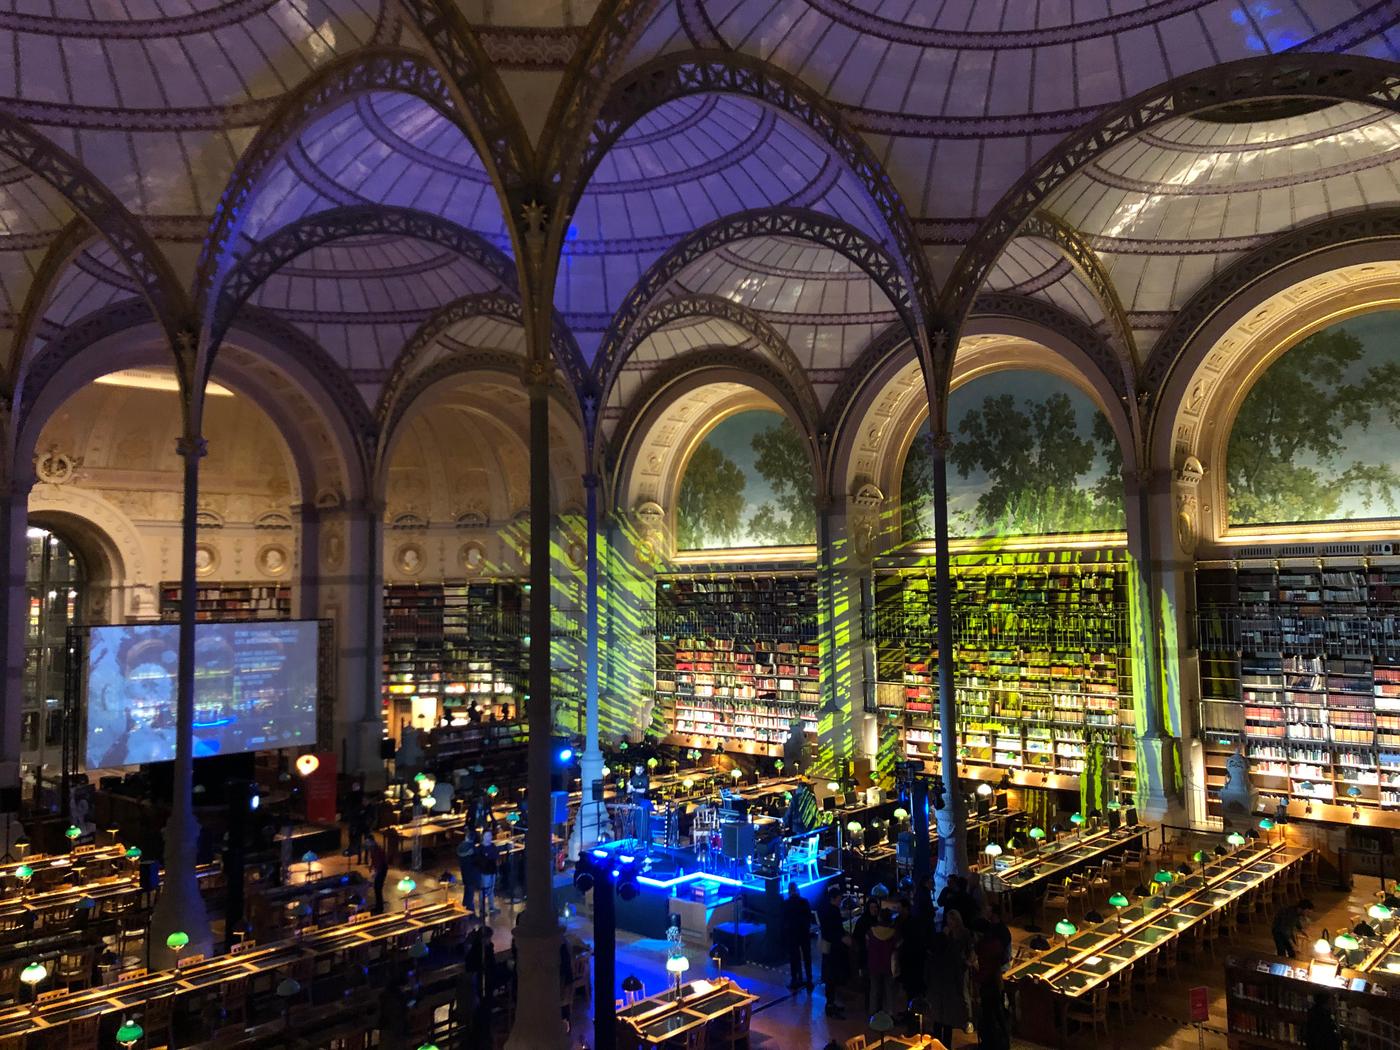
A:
[952,817]
[538,1024]
[180,907]
[591,765]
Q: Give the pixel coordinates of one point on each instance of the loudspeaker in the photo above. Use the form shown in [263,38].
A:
[386,749]
[9,799]
[559,807]
[1114,819]
[737,839]
[150,875]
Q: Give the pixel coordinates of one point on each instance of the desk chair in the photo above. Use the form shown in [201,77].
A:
[82,1033]
[802,858]
[1091,1010]
[1120,993]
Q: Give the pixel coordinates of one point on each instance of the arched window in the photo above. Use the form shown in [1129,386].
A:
[748,483]
[1317,438]
[1031,455]
[54,591]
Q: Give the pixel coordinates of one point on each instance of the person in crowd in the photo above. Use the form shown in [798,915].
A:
[867,919]
[1320,1031]
[466,864]
[996,925]
[915,927]
[990,955]
[881,963]
[797,937]
[1288,924]
[379,865]
[957,897]
[835,957]
[488,864]
[947,983]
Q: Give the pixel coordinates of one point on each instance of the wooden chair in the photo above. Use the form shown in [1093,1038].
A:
[75,967]
[1120,993]
[157,1016]
[1096,878]
[856,1042]
[1091,1010]
[743,1019]
[582,974]
[82,1033]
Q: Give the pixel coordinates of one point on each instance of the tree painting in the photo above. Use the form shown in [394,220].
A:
[748,484]
[1316,436]
[1031,455]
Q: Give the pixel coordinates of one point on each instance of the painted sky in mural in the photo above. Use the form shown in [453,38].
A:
[747,484]
[1317,438]
[1031,455]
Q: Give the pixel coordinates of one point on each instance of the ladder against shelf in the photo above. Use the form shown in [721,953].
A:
[1299,670]
[737,661]
[1042,666]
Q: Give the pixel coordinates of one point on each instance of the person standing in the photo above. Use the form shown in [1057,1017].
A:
[880,947]
[947,979]
[796,918]
[379,865]
[831,930]
[993,1026]
[467,866]
[488,862]
[1288,923]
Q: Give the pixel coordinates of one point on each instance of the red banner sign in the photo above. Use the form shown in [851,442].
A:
[1200,1004]
[320,791]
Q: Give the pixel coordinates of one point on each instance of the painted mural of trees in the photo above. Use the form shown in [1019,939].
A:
[1315,437]
[749,483]
[710,507]
[791,516]
[1019,465]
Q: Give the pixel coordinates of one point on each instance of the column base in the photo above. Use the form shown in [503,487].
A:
[1158,780]
[538,1023]
[179,907]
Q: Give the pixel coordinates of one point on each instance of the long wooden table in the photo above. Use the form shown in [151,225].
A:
[1067,854]
[663,1020]
[126,996]
[1099,952]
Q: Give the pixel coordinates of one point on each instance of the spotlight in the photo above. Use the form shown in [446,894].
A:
[628,889]
[583,881]
[566,755]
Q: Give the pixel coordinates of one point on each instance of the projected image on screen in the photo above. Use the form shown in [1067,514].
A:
[255,690]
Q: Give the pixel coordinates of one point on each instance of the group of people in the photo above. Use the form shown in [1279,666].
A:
[938,963]
[479,859]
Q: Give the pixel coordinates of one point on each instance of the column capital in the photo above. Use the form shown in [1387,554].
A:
[191,446]
[539,374]
[590,480]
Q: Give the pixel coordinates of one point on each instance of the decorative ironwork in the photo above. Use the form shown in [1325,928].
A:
[695,362]
[698,72]
[62,250]
[771,222]
[1327,234]
[100,207]
[365,71]
[1090,268]
[265,257]
[669,311]
[500,306]
[1294,75]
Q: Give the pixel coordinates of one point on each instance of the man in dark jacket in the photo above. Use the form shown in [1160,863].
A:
[835,958]
[796,920]
[1288,923]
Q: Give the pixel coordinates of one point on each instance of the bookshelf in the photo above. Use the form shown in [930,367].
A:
[230,601]
[450,645]
[1267,1003]
[737,661]
[1042,665]
[1300,669]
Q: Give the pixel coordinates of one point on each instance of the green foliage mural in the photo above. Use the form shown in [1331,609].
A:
[749,483]
[1316,437]
[1031,455]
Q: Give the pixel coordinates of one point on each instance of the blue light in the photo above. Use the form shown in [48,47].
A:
[626,859]
[616,873]
[601,854]
[566,754]
[254,800]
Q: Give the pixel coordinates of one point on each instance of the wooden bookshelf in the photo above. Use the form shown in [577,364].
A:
[449,645]
[230,601]
[1267,1001]
[1042,666]
[1300,669]
[737,659]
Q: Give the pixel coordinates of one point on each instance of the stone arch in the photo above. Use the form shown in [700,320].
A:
[106,539]
[662,404]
